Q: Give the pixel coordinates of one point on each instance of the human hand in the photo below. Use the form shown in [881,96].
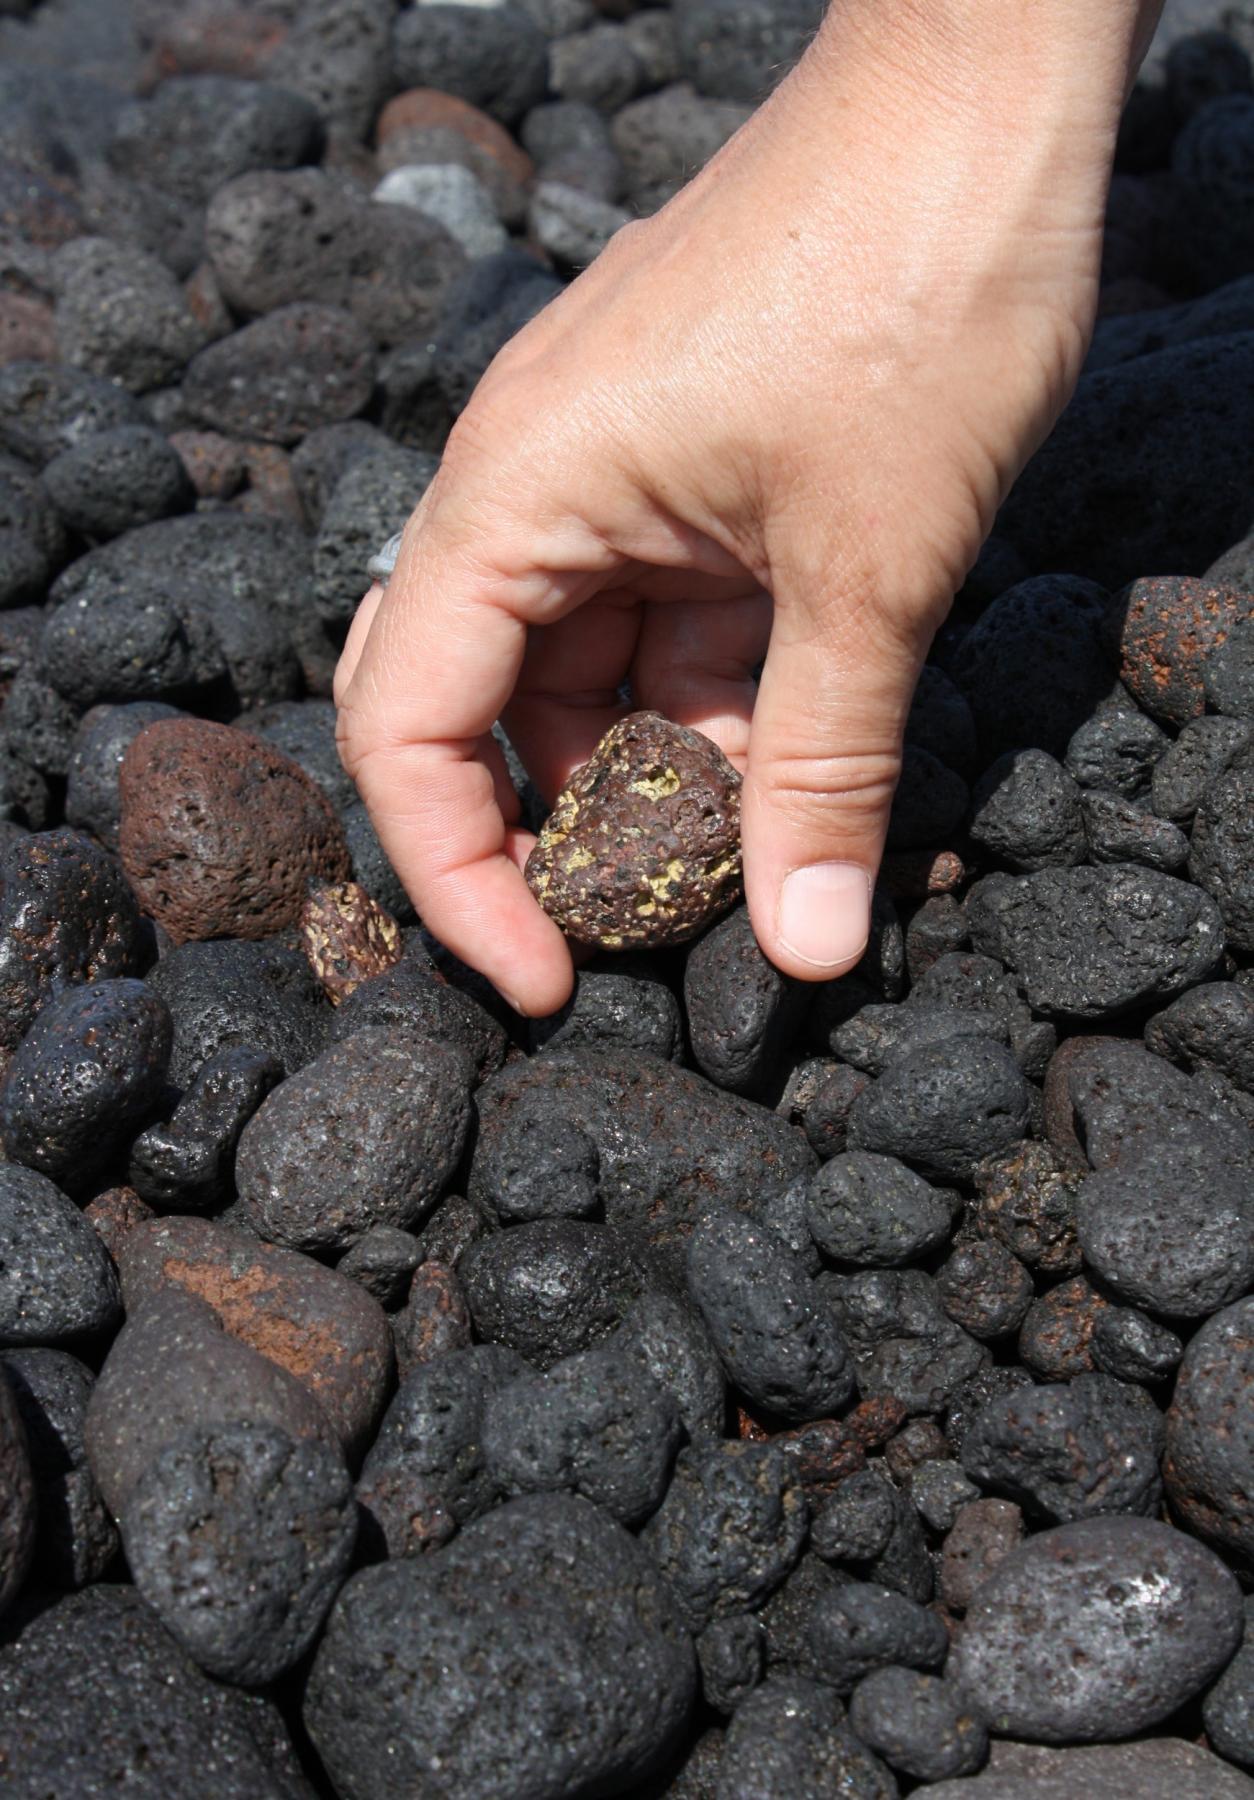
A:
[774,420]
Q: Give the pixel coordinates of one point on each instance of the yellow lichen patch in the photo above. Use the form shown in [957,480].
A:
[728,865]
[646,908]
[579,858]
[611,941]
[656,787]
[673,872]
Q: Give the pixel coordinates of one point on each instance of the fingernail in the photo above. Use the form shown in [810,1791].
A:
[824,914]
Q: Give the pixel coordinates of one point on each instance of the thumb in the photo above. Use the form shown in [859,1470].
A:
[824,756]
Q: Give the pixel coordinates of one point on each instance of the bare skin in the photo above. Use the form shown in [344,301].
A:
[776,419]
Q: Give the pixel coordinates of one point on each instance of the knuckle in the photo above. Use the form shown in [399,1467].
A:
[845,783]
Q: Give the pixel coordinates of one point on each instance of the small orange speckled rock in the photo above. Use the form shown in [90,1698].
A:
[643,847]
[348,938]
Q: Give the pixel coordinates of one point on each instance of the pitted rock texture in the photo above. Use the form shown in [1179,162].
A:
[643,846]
[221,833]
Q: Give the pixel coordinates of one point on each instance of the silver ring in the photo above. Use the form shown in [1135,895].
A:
[383,561]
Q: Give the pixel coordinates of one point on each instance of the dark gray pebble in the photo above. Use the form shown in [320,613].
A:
[860,1626]
[239,1537]
[944,1107]
[866,1209]
[57,1280]
[1097,1630]
[457,1659]
[76,1539]
[731,1526]
[18,1495]
[233,994]
[920,1724]
[1209,1465]
[789,1737]
[1025,812]
[742,1013]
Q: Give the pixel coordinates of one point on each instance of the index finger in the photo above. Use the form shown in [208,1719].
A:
[439,662]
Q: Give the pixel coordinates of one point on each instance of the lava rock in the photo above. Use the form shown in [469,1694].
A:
[1173,495]
[88,1072]
[371,501]
[615,1009]
[1025,810]
[552,1287]
[944,1107]
[1210,1433]
[17,1496]
[789,1738]
[869,1524]
[75,1539]
[1119,831]
[572,225]
[545,1596]
[939,1490]
[665,138]
[1228,673]
[1116,751]
[1094,943]
[1228,1710]
[284,241]
[739,49]
[311,1321]
[1188,769]
[412,997]
[113,481]
[985,1288]
[904,1344]
[920,1724]
[66,916]
[435,1318]
[367,1134]
[172,1368]
[982,1535]
[872,1210]
[33,542]
[482,310]
[742,1013]
[121,314]
[980,985]
[1056,1338]
[240,994]
[1164,630]
[543,1171]
[56,1278]
[1210,1027]
[860,1626]
[643,846]
[195,132]
[669,1144]
[496,59]
[1173,1232]
[1033,668]
[1157,1768]
[171,1730]
[595,1424]
[221,834]
[239,1538]
[1026,1201]
[1131,1347]
[1097,1630]
[928,804]
[452,196]
[775,1337]
[92,801]
[46,408]
[730,1652]
[665,1337]
[301,366]
[186,1163]
[1222,857]
[940,720]
[818,1096]
[731,1526]
[1064,1452]
[434,1429]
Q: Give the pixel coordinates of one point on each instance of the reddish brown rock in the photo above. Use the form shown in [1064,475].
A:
[220,833]
[321,1327]
[271,490]
[27,332]
[983,1535]
[209,38]
[434,1319]
[1165,627]
[643,846]
[427,109]
[348,938]
[116,1213]
[918,874]
[1057,1335]
[205,302]
[214,462]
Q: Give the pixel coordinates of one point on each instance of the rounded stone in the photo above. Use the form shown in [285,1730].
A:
[540,1652]
[57,1280]
[239,1538]
[1222,856]
[1209,1465]
[76,1539]
[301,366]
[866,1209]
[85,1077]
[777,1339]
[920,1724]
[17,1495]
[115,480]
[220,833]
[1025,810]
[742,1013]
[234,993]
[944,1107]
[1165,628]
[1097,1630]
[367,1134]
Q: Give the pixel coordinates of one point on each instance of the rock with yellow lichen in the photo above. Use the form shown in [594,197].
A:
[642,847]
